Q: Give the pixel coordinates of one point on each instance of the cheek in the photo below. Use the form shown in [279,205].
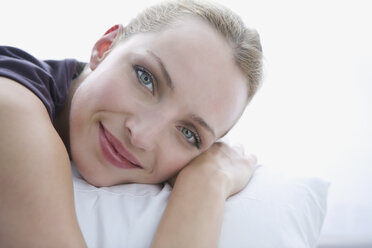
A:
[103,94]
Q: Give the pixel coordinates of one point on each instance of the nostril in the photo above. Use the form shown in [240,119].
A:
[127,126]
[140,133]
[129,131]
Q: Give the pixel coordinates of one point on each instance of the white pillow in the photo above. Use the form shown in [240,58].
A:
[272,211]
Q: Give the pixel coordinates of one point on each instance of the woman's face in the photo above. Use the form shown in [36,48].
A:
[154,103]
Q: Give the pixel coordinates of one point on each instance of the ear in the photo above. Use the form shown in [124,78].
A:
[104,45]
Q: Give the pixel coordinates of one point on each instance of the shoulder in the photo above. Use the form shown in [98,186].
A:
[25,126]
[14,97]
[49,80]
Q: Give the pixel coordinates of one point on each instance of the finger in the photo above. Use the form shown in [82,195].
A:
[240,150]
[252,159]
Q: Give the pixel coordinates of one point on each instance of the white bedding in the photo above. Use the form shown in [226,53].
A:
[272,211]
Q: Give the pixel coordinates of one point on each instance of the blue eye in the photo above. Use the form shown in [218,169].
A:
[145,78]
[191,136]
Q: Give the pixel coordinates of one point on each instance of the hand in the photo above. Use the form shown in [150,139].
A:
[222,164]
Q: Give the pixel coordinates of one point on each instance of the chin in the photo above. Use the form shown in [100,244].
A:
[91,175]
[97,182]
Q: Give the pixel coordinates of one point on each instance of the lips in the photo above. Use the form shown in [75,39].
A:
[115,152]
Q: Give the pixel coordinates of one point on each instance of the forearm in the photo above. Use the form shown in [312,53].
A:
[193,216]
[195,209]
[37,207]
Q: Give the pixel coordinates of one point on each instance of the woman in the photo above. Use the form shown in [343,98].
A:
[151,104]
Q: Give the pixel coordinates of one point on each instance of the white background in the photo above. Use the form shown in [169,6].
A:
[313,115]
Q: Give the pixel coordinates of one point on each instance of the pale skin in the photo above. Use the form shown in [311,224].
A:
[150,119]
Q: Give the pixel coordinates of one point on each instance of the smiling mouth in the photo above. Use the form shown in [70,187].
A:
[114,151]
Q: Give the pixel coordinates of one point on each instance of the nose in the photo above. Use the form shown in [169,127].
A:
[145,132]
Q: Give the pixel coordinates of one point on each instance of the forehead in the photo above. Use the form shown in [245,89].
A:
[200,62]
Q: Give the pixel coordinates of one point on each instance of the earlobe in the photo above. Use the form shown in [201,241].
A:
[104,45]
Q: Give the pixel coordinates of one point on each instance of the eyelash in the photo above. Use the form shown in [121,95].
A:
[142,71]
[195,134]
[139,69]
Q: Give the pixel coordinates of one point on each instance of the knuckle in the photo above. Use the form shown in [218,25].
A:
[252,159]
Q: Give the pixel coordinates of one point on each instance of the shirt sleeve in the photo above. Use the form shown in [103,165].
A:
[49,80]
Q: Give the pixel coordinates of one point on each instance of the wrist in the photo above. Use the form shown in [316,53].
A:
[204,180]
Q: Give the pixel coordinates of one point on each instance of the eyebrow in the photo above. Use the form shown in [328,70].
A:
[164,71]
[169,83]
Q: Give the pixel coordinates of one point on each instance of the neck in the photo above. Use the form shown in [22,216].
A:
[62,121]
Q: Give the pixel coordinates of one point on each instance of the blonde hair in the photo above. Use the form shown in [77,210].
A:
[245,42]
